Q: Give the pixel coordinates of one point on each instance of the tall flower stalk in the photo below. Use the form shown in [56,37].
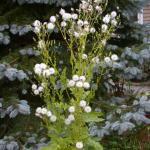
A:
[66,79]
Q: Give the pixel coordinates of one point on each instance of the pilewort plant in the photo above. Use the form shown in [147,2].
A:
[66,80]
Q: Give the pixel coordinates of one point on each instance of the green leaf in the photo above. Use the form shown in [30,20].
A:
[52,146]
[93,145]
[93,117]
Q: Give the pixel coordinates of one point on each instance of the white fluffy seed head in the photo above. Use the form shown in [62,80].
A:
[82,78]
[71,109]
[80,23]
[86,85]
[71,83]
[43,66]
[36,92]
[40,88]
[82,103]
[104,28]
[52,71]
[37,23]
[46,73]
[62,11]
[79,84]
[106,19]
[34,87]
[39,110]
[98,8]
[44,111]
[107,59]
[113,14]
[50,26]
[86,23]
[49,113]
[92,30]
[63,24]
[71,117]
[74,16]
[114,57]
[38,69]
[67,121]
[79,145]
[66,16]
[76,34]
[53,19]
[53,118]
[87,109]
[75,78]
[84,56]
